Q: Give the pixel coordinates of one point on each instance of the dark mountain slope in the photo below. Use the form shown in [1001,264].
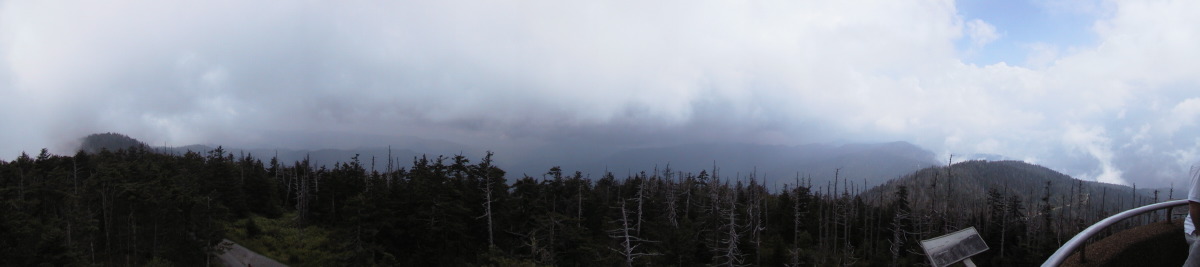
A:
[370,158]
[108,141]
[873,163]
[966,184]
[863,164]
[870,163]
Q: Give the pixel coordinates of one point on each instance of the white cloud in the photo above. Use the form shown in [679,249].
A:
[1041,55]
[542,64]
[981,33]
[1145,42]
[1094,142]
[1189,157]
[1183,114]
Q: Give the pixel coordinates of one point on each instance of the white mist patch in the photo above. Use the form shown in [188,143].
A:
[1093,141]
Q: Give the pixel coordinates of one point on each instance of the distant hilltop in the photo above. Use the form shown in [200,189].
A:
[969,183]
[95,143]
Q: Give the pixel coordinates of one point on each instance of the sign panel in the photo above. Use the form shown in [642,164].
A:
[953,247]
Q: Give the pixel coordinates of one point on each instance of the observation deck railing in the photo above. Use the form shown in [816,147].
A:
[1080,239]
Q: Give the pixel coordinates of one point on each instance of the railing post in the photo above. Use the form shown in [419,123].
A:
[1169,211]
[1083,252]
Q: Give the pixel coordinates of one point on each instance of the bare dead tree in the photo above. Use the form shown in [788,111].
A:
[824,219]
[764,219]
[714,190]
[578,201]
[532,239]
[1005,209]
[731,255]
[390,169]
[686,184]
[799,210]
[641,199]
[672,199]
[487,207]
[843,214]
[897,241]
[754,215]
[302,191]
[629,241]
[796,213]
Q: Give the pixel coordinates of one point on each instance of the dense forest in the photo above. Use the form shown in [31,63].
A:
[134,207]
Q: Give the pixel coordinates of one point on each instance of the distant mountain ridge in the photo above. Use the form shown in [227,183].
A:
[869,163]
[376,158]
[94,143]
[967,183]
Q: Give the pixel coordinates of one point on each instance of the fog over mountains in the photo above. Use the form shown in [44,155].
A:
[1100,90]
[861,163]
[870,163]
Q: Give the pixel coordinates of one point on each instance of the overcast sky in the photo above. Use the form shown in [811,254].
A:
[1102,90]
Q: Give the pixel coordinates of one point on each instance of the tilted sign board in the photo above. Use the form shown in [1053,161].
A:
[953,247]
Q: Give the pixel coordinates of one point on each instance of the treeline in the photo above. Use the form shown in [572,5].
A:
[126,208]
[135,207]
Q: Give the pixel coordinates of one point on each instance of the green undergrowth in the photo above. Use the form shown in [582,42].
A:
[283,240]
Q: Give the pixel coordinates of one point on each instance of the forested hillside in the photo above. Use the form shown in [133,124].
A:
[123,208]
[134,206]
[108,141]
[968,184]
[1036,206]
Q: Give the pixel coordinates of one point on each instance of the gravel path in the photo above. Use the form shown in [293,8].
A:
[239,256]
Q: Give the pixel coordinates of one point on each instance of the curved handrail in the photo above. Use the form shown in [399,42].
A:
[1065,251]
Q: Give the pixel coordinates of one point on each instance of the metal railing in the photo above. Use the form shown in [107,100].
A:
[1065,251]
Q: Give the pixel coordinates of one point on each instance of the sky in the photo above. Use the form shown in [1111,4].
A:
[1100,90]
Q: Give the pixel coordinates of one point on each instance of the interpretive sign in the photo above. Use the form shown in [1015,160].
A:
[954,247]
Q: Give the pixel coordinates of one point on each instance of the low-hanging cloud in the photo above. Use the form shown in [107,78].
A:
[623,73]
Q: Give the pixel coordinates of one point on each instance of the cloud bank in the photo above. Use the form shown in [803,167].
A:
[608,73]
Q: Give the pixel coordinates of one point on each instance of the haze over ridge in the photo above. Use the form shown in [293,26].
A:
[864,165]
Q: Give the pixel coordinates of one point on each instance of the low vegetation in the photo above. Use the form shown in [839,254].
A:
[281,239]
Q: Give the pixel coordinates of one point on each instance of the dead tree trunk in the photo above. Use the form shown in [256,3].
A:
[487,207]
[629,241]
[731,255]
